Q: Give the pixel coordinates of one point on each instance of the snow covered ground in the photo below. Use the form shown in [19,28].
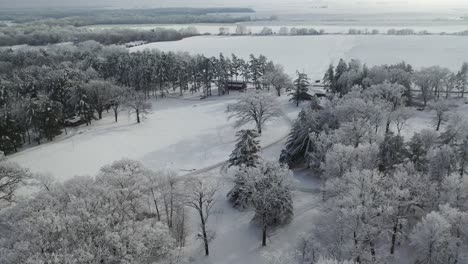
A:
[181,134]
[313,54]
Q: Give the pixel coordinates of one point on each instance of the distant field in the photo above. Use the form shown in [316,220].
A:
[313,54]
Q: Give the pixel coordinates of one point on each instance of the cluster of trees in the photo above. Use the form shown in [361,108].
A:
[424,84]
[294,31]
[125,214]
[263,186]
[381,192]
[41,89]
[81,17]
[37,34]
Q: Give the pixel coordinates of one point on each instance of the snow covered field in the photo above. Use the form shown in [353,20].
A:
[313,54]
[179,134]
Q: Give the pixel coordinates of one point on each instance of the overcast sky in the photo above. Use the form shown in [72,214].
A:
[372,4]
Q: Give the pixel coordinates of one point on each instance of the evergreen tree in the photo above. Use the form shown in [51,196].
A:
[10,134]
[329,79]
[51,119]
[246,151]
[298,142]
[341,68]
[255,69]
[392,152]
[301,88]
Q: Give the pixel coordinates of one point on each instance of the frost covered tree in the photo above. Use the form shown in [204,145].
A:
[442,162]
[117,100]
[87,220]
[356,200]
[12,176]
[442,111]
[392,152]
[301,88]
[99,94]
[271,196]
[257,107]
[401,116]
[340,159]
[199,195]
[278,79]
[267,189]
[138,104]
[433,240]
[406,191]
[246,150]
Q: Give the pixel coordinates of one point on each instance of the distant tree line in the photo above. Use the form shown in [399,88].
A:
[41,34]
[420,85]
[84,17]
[305,31]
[44,90]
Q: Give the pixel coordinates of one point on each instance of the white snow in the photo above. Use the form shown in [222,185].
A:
[313,54]
[179,134]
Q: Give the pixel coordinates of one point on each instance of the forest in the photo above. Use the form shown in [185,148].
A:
[382,190]
[85,17]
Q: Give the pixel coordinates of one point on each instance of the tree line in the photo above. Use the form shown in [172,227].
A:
[84,17]
[42,89]
[37,34]
[421,85]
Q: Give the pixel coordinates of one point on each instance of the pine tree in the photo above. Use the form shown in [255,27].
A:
[329,79]
[340,70]
[51,119]
[246,151]
[300,92]
[10,134]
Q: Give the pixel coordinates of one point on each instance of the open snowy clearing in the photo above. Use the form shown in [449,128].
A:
[313,54]
[183,135]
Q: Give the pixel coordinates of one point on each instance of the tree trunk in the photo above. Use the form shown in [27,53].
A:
[138,115]
[156,205]
[372,250]
[116,115]
[439,122]
[358,258]
[264,230]
[203,226]
[29,136]
[394,234]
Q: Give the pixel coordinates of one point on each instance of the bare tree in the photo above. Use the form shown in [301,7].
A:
[442,109]
[258,107]
[278,79]
[11,178]
[117,100]
[200,196]
[99,94]
[401,116]
[138,104]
